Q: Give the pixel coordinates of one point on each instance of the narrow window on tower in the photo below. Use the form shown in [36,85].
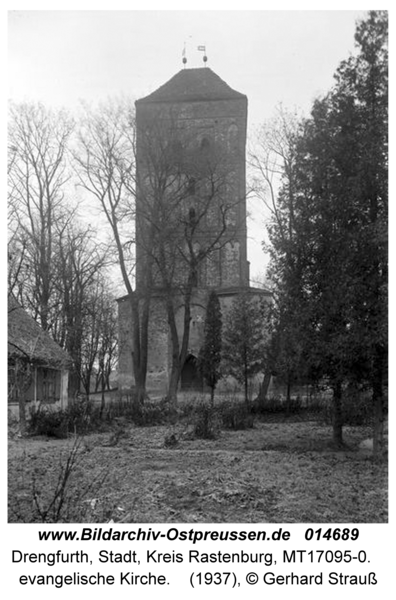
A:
[176,153]
[194,276]
[205,145]
[191,186]
[192,216]
[232,138]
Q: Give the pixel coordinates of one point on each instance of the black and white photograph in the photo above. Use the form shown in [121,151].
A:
[198,267]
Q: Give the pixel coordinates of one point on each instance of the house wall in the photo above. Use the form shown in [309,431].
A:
[47,387]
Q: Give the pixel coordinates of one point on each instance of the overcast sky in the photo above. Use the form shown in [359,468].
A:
[271,56]
[60,57]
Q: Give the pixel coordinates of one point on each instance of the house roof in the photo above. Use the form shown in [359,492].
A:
[26,339]
[189,85]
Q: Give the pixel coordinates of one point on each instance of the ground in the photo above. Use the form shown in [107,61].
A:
[275,472]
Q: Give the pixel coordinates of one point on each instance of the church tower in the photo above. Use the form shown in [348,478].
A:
[190,214]
[192,120]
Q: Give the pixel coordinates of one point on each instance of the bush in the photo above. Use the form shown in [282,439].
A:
[64,497]
[79,417]
[49,422]
[276,405]
[235,416]
[207,421]
[357,410]
[153,413]
[147,414]
[204,422]
[84,417]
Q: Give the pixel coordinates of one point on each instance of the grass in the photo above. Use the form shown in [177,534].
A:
[275,472]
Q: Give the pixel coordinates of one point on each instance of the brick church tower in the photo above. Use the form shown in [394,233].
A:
[190,213]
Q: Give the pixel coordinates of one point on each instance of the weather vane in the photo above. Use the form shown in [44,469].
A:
[184,59]
[203,49]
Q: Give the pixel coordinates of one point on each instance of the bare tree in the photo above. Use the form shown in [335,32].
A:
[99,348]
[270,155]
[271,164]
[53,260]
[105,166]
[38,174]
[177,192]
[81,262]
[185,215]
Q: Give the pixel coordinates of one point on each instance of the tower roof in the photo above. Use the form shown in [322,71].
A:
[189,85]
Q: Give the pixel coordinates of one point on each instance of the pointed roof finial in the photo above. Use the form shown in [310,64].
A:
[203,49]
[184,59]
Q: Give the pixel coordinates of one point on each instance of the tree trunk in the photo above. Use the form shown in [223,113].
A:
[87,382]
[186,323]
[144,326]
[212,391]
[171,395]
[139,395]
[378,404]
[263,391]
[139,352]
[22,414]
[179,353]
[288,394]
[246,389]
[20,397]
[102,404]
[337,414]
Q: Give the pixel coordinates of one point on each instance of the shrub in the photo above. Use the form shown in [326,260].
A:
[153,413]
[49,422]
[79,417]
[205,425]
[148,414]
[358,410]
[235,416]
[276,404]
[84,416]
[64,497]
[187,407]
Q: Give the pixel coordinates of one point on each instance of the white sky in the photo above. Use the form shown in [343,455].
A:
[286,56]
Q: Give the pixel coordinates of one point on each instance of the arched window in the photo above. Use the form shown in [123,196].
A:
[205,144]
[177,147]
[176,151]
[232,138]
[192,216]
[191,186]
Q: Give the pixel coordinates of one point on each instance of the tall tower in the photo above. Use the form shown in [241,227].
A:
[193,130]
[190,212]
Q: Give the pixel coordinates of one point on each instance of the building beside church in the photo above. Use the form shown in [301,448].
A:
[38,368]
[191,233]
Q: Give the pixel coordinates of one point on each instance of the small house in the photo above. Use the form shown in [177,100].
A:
[38,368]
